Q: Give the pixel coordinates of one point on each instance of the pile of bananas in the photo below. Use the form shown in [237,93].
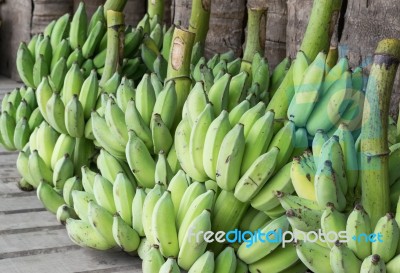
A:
[321,91]
[126,160]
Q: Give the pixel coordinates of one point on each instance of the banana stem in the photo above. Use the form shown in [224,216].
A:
[115,44]
[255,37]
[115,5]
[374,174]
[179,66]
[156,7]
[199,20]
[316,39]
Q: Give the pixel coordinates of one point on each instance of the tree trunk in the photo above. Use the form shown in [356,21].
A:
[181,10]
[227,22]
[45,11]
[134,11]
[366,23]
[275,43]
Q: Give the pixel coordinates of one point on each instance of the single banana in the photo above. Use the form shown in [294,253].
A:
[289,201]
[163,172]
[373,264]
[71,184]
[81,201]
[63,170]
[103,193]
[21,133]
[125,237]
[177,186]
[140,161]
[219,94]
[43,95]
[25,64]
[135,122]
[332,221]
[284,141]
[64,212]
[83,234]
[55,111]
[304,219]
[38,169]
[73,82]
[165,104]
[226,261]
[89,93]
[204,264]
[195,103]
[279,260]
[170,266]
[387,231]
[23,170]
[102,221]
[161,135]
[193,247]
[194,190]
[115,119]
[137,211]
[318,141]
[215,134]
[123,192]
[93,40]
[314,256]
[79,26]
[251,116]
[61,51]
[145,99]
[58,73]
[300,65]
[258,250]
[40,69]
[237,89]
[258,140]
[302,174]
[256,176]
[265,199]
[149,203]
[64,145]
[50,199]
[230,158]
[74,117]
[60,30]
[343,260]
[202,202]
[393,265]
[153,260]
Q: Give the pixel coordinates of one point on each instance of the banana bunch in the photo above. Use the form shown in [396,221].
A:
[19,117]
[326,97]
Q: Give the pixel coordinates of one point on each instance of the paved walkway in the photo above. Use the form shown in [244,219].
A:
[31,239]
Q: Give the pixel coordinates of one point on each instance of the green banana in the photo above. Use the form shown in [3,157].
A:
[150,202]
[102,221]
[78,28]
[123,192]
[137,210]
[50,199]
[386,244]
[343,260]
[373,264]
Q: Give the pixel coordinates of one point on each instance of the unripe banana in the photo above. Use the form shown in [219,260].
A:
[226,261]
[284,141]
[373,264]
[104,137]
[87,179]
[64,212]
[55,111]
[72,83]
[195,103]
[300,65]
[251,116]
[162,138]
[192,192]
[111,85]
[327,187]
[259,250]
[137,211]
[177,186]
[38,169]
[163,226]
[25,64]
[343,260]
[125,237]
[89,93]
[21,133]
[58,73]
[63,170]
[308,92]
[215,134]
[335,73]
[304,219]
[83,234]
[61,51]
[204,264]
[150,202]
[258,140]
[237,89]
[193,246]
[278,261]
[125,92]
[314,256]
[98,16]
[43,95]
[123,192]
[135,122]
[393,265]
[153,260]
[115,119]
[23,170]
[35,119]
[388,229]
[170,266]
[102,221]
[238,111]
[50,199]
[74,117]
[256,176]
[219,94]
[140,161]
[202,202]
[145,99]
[163,172]
[81,201]
[71,184]
[103,193]
[40,70]
[230,158]
[165,104]
[265,199]
[302,174]
[332,221]
[79,26]
[358,223]
[44,48]
[60,31]
[182,140]
[94,37]
[318,141]
[64,145]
